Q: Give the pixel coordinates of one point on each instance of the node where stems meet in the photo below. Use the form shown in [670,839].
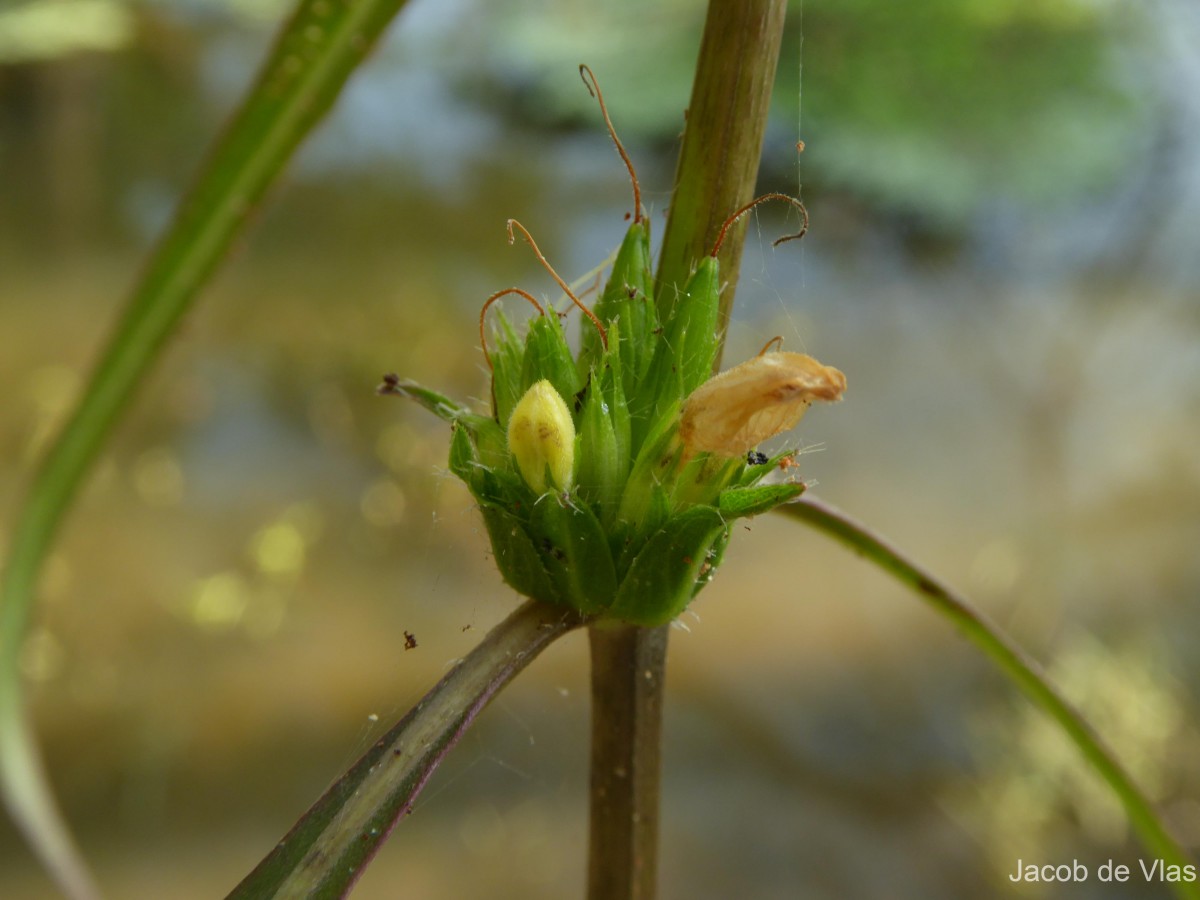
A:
[755,202]
[513,223]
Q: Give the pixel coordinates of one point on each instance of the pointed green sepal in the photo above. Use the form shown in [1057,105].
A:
[601,467]
[658,393]
[507,355]
[628,299]
[490,441]
[664,575]
[693,328]
[547,357]
[517,557]
[684,351]
[655,465]
[438,404]
[464,459]
[716,553]
[574,551]
[612,391]
[495,484]
[735,503]
[702,479]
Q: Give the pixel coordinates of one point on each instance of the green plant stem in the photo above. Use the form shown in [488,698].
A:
[625,767]
[1014,662]
[722,143]
[718,166]
[322,44]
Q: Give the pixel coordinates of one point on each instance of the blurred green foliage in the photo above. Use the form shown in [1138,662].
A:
[51,30]
[930,106]
[933,109]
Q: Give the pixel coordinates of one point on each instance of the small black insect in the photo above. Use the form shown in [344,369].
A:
[410,641]
[756,458]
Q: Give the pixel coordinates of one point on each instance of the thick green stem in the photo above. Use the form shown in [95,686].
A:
[718,165]
[722,144]
[626,748]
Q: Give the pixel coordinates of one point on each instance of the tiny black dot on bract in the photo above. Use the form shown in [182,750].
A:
[756,458]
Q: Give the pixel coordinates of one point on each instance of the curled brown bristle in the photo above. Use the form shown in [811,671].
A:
[513,223]
[593,87]
[755,202]
[777,341]
[483,311]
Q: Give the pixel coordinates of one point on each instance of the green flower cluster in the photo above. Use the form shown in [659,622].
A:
[608,480]
[590,497]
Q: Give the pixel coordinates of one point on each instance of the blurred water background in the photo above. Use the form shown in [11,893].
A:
[1005,198]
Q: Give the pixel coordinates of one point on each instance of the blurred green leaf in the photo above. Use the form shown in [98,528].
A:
[931,107]
[318,49]
[1020,669]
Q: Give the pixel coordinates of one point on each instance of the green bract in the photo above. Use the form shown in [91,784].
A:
[626,523]
[608,480]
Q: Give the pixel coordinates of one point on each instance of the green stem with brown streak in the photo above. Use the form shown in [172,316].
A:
[718,166]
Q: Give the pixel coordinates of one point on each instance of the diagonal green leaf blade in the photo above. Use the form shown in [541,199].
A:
[318,49]
[325,852]
[1023,671]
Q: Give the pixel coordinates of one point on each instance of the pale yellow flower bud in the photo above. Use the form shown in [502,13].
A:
[541,437]
[737,410]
